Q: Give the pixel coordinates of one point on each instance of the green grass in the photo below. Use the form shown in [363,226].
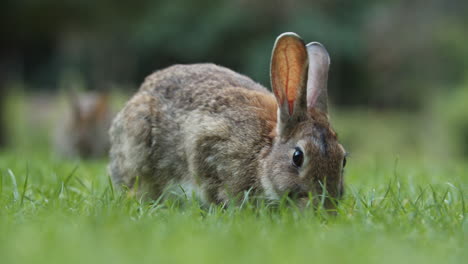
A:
[397,209]
[55,211]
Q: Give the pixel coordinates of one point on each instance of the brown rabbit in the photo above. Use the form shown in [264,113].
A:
[218,133]
[84,133]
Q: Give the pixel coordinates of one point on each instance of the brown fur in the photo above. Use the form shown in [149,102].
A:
[266,110]
[217,133]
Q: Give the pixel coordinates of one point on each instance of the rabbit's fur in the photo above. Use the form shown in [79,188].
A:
[218,132]
[83,132]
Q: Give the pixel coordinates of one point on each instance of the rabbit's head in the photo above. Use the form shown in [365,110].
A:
[306,157]
[89,124]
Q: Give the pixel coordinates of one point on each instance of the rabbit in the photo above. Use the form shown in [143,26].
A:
[84,133]
[219,134]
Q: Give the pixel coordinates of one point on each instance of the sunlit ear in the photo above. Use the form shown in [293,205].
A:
[288,73]
[319,63]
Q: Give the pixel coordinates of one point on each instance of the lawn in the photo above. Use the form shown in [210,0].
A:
[398,208]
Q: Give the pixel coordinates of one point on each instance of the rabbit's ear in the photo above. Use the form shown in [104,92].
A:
[319,63]
[288,75]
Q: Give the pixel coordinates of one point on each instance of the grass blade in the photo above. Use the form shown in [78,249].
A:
[70,176]
[25,186]
[16,195]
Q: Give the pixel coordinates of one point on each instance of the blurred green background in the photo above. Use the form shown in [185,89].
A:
[398,83]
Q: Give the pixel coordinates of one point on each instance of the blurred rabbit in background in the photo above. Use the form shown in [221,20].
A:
[83,132]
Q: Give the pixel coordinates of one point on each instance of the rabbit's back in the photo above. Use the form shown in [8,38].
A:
[188,75]
[193,124]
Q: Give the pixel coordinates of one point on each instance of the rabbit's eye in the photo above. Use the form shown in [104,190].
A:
[298,158]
